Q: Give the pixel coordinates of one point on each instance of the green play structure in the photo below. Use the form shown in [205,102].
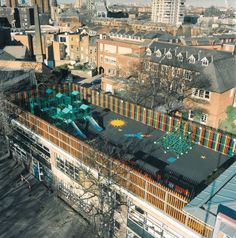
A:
[175,142]
[63,109]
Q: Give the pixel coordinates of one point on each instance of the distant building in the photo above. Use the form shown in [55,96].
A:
[54,10]
[11,3]
[12,15]
[78,4]
[168,11]
[90,6]
[43,5]
[20,17]
[65,48]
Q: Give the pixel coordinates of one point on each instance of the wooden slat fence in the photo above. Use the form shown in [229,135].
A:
[140,185]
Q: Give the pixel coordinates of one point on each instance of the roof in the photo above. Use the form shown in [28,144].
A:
[17,51]
[189,165]
[5,56]
[221,191]
[142,34]
[148,149]
[220,71]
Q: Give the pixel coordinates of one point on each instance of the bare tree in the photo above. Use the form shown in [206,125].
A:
[96,197]
[5,127]
[162,87]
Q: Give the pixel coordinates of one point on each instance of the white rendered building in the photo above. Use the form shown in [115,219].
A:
[168,11]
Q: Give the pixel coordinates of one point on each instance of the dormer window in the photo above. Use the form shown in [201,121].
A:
[158,53]
[180,57]
[168,55]
[205,62]
[191,59]
[148,52]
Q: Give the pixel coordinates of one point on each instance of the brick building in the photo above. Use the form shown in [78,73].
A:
[218,68]
[116,57]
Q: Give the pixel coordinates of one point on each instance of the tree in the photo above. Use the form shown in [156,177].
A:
[162,87]
[96,196]
[5,127]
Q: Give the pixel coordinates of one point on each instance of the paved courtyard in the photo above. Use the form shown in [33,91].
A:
[34,213]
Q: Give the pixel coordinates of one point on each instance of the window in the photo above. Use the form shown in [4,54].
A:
[62,39]
[169,55]
[191,59]
[190,115]
[110,60]
[138,209]
[205,61]
[118,197]
[188,75]
[164,69]
[77,174]
[60,163]
[147,65]
[200,93]
[180,57]
[148,52]
[203,118]
[116,225]
[158,53]
[153,228]
[111,71]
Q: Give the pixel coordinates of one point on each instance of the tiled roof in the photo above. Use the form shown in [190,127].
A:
[220,71]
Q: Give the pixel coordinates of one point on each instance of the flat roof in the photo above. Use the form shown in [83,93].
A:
[133,141]
[190,165]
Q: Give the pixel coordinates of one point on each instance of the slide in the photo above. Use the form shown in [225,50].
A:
[78,131]
[94,123]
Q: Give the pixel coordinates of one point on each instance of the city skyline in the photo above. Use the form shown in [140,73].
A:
[203,3]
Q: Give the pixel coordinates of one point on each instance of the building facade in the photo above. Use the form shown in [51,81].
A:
[116,57]
[58,159]
[168,11]
[43,5]
[190,63]
[20,17]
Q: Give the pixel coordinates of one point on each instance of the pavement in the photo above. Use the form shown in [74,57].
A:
[38,212]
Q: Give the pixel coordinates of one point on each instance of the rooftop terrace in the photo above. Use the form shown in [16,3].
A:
[172,158]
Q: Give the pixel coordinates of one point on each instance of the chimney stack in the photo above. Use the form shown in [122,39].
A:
[38,52]
[199,55]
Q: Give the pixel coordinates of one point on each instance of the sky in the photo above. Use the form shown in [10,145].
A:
[203,3]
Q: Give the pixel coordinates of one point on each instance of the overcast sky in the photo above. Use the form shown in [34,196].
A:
[203,3]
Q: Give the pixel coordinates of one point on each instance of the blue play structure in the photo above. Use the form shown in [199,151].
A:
[137,135]
[64,109]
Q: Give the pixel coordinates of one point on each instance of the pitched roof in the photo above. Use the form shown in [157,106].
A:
[220,71]
[221,191]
